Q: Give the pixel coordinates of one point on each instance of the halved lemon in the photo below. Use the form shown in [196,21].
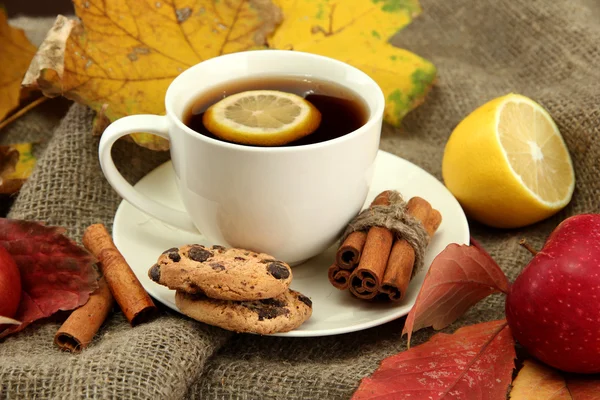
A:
[262,118]
[507,163]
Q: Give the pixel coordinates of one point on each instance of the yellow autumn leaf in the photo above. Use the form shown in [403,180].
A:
[358,36]
[16,53]
[125,53]
[538,382]
[310,20]
[16,165]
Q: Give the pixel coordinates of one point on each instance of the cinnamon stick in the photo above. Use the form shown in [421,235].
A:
[82,325]
[127,290]
[348,255]
[400,265]
[340,278]
[366,279]
[433,222]
[398,270]
[418,208]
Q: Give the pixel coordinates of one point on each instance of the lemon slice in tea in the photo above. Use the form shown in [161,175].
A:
[262,118]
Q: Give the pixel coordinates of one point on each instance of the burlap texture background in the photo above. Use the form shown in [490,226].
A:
[543,49]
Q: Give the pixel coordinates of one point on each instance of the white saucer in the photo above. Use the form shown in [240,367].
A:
[142,239]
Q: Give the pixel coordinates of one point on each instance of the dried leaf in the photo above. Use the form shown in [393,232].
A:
[475,362]
[56,274]
[584,388]
[16,165]
[458,278]
[127,54]
[101,121]
[358,36]
[16,53]
[536,381]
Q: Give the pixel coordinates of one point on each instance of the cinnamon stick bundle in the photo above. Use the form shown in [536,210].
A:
[82,325]
[375,264]
[127,290]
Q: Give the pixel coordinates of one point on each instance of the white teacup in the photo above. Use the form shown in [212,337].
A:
[290,202]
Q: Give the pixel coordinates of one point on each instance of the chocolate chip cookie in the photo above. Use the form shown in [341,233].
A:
[279,314]
[219,273]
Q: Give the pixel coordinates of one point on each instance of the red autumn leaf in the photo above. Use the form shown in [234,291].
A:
[56,273]
[537,381]
[458,278]
[475,362]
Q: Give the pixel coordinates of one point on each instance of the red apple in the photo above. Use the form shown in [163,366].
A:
[10,284]
[553,308]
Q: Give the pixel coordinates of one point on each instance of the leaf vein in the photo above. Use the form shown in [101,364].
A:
[140,40]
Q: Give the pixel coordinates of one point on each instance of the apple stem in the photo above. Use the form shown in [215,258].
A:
[525,244]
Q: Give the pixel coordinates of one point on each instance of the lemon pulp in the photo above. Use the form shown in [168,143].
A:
[536,151]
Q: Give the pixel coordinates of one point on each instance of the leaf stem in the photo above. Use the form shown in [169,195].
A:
[22,111]
[526,245]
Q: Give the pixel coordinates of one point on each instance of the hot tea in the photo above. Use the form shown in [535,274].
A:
[342,110]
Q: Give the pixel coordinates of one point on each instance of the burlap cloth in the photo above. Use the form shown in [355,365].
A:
[547,50]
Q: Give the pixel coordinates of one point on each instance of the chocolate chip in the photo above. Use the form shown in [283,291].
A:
[154,273]
[175,256]
[217,266]
[279,271]
[240,258]
[246,253]
[199,254]
[273,302]
[268,260]
[305,300]
[265,310]
[170,250]
[217,247]
[270,313]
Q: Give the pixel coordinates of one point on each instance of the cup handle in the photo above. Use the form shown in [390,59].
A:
[131,124]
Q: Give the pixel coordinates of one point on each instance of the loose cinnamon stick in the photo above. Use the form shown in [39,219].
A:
[366,279]
[82,325]
[340,278]
[348,255]
[400,265]
[127,290]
